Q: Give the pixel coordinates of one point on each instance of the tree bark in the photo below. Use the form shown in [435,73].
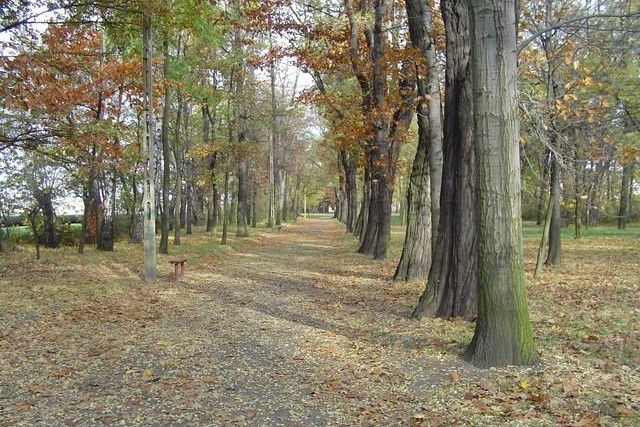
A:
[370,229]
[45,204]
[242,211]
[189,198]
[350,189]
[452,284]
[148,158]
[388,122]
[543,188]
[555,227]
[254,202]
[166,156]
[33,221]
[415,260]
[544,240]
[578,189]
[106,232]
[364,209]
[280,190]
[211,206]
[178,153]
[423,215]
[625,195]
[380,154]
[503,334]
[87,198]
[227,194]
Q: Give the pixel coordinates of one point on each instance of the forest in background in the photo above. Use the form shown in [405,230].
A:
[229,114]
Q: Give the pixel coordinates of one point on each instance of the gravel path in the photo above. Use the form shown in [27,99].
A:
[295,331]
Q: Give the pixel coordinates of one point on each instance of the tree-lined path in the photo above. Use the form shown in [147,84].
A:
[297,330]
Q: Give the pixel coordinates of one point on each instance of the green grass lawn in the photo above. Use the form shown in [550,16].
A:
[531,230]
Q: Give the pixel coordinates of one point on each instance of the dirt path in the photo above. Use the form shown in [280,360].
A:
[297,331]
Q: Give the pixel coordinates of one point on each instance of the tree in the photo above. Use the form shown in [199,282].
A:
[451,289]
[388,109]
[503,334]
[423,195]
[166,152]
[148,155]
[73,84]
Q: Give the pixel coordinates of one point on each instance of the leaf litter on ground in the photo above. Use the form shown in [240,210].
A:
[293,328]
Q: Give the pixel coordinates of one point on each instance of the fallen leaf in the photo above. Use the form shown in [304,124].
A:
[591,338]
[569,387]
[524,384]
[623,411]
[588,419]
[25,406]
[335,384]
[537,398]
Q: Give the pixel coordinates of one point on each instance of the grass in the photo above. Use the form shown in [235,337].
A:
[531,230]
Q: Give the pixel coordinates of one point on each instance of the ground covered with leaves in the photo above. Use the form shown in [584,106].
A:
[295,329]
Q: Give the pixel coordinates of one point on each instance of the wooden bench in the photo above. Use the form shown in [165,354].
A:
[178,265]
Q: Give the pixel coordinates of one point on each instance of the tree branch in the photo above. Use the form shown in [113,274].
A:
[560,24]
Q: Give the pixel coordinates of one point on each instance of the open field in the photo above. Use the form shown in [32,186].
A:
[295,329]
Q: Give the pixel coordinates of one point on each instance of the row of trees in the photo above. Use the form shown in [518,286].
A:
[228,132]
[74,99]
[380,63]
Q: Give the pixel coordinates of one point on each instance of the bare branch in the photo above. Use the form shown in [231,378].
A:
[561,24]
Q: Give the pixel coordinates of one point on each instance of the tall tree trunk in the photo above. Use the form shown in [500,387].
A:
[87,198]
[166,156]
[503,334]
[45,204]
[415,260]
[189,198]
[212,220]
[388,131]
[211,205]
[271,220]
[423,215]
[350,189]
[243,202]
[370,230]
[577,190]
[254,202]
[106,233]
[363,216]
[625,195]
[33,221]
[179,154]
[227,194]
[555,227]
[83,227]
[148,158]
[543,188]
[452,285]
[381,145]
[544,241]
[551,85]
[280,189]
[240,119]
